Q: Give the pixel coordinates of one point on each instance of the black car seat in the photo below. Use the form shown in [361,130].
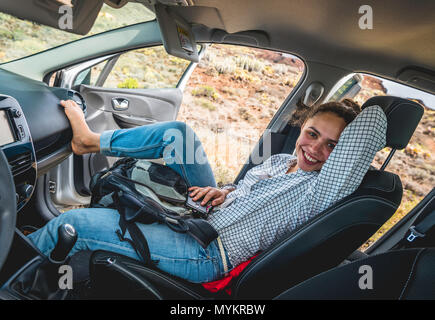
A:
[320,244]
[395,275]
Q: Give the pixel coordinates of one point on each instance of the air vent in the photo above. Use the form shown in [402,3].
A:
[21,163]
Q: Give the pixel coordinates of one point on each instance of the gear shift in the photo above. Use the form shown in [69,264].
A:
[67,237]
[41,281]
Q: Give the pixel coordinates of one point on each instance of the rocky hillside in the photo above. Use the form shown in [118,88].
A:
[230,99]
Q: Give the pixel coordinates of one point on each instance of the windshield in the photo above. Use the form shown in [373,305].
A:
[20,38]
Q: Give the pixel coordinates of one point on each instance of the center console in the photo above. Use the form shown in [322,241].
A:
[16,143]
[18,264]
[32,276]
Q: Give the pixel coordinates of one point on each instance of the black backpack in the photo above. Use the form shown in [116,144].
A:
[147,192]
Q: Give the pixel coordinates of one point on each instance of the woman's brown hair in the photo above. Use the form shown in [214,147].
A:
[346,109]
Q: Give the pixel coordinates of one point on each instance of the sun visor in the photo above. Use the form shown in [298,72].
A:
[177,35]
[71,16]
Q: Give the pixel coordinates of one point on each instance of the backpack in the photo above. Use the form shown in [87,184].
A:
[147,192]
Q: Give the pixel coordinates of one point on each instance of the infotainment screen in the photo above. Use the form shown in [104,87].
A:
[6,134]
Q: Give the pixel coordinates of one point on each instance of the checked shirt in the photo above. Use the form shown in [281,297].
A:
[269,203]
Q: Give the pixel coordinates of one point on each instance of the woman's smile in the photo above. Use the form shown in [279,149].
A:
[309,160]
[318,137]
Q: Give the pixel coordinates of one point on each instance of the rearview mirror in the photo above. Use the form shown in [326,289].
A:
[347,89]
[72,16]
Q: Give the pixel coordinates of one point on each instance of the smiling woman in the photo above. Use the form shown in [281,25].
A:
[321,128]
[28,38]
[318,137]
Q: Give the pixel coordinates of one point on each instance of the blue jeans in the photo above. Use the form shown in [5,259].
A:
[176,253]
[173,141]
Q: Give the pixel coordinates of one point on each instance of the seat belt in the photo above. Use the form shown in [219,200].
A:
[420,230]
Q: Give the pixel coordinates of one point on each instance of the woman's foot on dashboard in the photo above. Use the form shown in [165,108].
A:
[84,140]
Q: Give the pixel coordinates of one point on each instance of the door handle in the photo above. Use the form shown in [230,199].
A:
[119,104]
[128,121]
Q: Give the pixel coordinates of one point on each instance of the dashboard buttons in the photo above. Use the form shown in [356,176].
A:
[21,131]
[16,113]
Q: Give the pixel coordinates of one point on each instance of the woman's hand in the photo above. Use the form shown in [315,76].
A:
[208,193]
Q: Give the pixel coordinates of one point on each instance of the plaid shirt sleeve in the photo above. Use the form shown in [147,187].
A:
[350,160]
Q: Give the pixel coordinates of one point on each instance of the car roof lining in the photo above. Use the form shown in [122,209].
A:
[328,31]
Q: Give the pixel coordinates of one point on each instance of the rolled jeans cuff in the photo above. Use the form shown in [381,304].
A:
[105,142]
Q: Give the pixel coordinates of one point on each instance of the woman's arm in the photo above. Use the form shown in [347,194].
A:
[276,164]
[351,158]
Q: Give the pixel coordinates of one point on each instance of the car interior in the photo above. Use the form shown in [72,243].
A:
[37,164]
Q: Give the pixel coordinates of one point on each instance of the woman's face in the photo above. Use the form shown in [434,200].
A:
[318,137]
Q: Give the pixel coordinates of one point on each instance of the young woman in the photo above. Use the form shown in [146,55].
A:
[333,153]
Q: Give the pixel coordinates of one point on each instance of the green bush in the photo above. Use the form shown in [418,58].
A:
[205,91]
[207,104]
[129,83]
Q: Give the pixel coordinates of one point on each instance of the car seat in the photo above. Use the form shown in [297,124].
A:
[394,275]
[320,244]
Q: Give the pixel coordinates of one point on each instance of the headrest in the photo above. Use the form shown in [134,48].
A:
[403,117]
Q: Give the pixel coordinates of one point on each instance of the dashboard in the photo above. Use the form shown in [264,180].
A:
[16,143]
[34,131]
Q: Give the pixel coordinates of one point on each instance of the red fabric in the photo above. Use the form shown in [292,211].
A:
[224,283]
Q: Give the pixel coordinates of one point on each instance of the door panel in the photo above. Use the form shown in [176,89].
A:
[145,106]
[127,90]
[109,60]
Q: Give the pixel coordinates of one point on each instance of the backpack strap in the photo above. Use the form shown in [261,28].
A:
[202,231]
[138,242]
[132,210]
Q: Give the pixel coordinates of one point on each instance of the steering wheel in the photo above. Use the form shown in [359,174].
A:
[8,208]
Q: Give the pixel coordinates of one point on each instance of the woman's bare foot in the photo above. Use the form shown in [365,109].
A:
[84,140]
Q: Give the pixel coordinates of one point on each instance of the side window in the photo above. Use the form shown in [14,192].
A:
[144,68]
[90,76]
[230,99]
[416,163]
[20,38]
